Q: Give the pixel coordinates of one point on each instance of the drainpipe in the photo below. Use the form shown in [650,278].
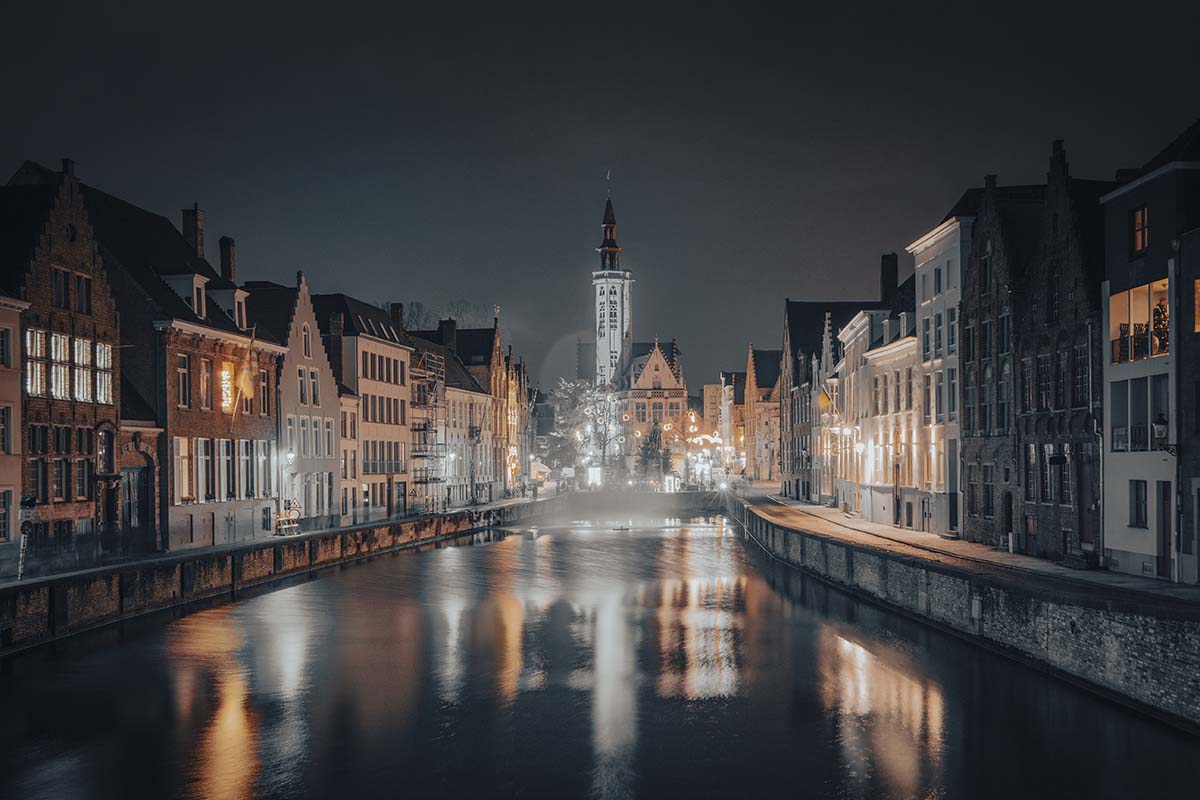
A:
[1098,430]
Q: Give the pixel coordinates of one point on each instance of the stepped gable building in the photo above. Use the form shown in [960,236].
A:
[1004,240]
[652,391]
[370,353]
[62,425]
[809,326]
[762,413]
[1057,318]
[207,376]
[308,409]
[1151,301]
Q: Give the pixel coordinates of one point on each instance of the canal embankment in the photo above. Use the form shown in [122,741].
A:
[45,609]
[1138,648]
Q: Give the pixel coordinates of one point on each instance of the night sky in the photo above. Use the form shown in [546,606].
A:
[756,153]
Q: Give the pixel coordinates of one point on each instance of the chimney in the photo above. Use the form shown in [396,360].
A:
[228,259]
[68,168]
[989,182]
[193,228]
[396,312]
[448,333]
[333,347]
[337,324]
[889,276]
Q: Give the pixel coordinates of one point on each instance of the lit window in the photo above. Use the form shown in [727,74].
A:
[83,370]
[59,367]
[1139,230]
[104,375]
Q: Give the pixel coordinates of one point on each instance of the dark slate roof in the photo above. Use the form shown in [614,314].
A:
[133,406]
[457,376]
[766,367]
[361,319]
[669,349]
[23,211]
[968,204]
[472,345]
[1185,147]
[270,308]
[738,381]
[806,321]
[1086,196]
[148,247]
[345,391]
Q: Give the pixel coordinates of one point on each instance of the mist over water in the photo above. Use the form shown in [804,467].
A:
[574,660]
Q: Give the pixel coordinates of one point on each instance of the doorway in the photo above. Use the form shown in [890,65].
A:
[137,521]
[1165,509]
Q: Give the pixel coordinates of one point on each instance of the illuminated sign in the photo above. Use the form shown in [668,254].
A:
[227,387]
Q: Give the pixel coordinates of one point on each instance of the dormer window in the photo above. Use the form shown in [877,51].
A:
[241,313]
[198,301]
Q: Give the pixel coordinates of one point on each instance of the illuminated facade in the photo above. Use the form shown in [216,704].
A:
[1151,300]
[762,413]
[939,256]
[203,381]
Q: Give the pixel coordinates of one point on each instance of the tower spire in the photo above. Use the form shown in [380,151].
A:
[609,250]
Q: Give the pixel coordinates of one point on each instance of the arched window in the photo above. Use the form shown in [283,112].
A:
[307,337]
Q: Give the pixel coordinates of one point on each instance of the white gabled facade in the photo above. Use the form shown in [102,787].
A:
[939,257]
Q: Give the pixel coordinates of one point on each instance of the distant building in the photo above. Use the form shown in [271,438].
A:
[370,355]
[731,424]
[762,413]
[711,399]
[810,352]
[1151,300]
[613,295]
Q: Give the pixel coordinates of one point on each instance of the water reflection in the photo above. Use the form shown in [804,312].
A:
[668,660]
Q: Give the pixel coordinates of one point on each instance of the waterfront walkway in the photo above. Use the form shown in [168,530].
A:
[833,522]
[310,528]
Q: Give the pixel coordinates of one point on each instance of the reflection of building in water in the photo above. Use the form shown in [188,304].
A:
[227,755]
[903,740]
[698,621]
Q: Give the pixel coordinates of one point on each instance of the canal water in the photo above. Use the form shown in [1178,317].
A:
[670,660]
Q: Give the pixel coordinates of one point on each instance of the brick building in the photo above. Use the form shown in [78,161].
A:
[1004,238]
[1056,321]
[206,377]
[50,259]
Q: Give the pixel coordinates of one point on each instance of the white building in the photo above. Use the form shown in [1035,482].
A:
[613,293]
[940,255]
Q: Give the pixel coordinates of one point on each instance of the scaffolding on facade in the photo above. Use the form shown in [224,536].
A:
[427,424]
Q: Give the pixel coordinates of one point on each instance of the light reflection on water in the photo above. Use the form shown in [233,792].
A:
[583,661]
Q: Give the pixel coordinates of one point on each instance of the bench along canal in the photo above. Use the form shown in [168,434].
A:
[573,660]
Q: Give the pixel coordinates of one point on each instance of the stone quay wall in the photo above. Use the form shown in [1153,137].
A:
[1134,649]
[44,609]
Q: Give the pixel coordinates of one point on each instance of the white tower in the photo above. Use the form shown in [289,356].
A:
[612,289]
